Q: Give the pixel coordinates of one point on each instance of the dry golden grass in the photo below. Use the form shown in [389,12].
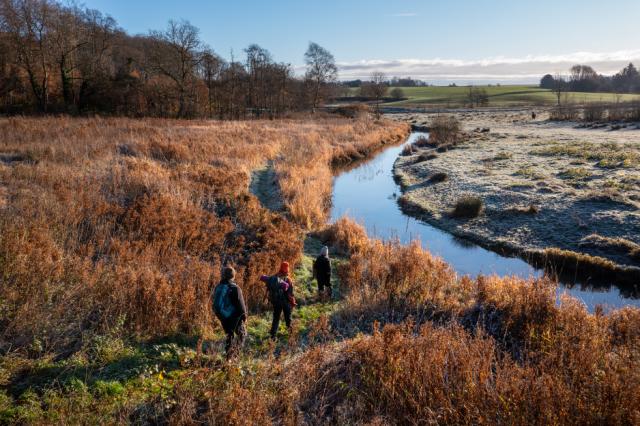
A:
[104,220]
[490,350]
[122,225]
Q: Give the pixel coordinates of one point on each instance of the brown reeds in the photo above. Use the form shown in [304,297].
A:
[105,220]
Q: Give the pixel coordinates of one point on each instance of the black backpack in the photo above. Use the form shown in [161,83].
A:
[222,305]
[276,292]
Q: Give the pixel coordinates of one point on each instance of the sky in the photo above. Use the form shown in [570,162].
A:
[442,41]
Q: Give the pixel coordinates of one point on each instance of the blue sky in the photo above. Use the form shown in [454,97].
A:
[459,40]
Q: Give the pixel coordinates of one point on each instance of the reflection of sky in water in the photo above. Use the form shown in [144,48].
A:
[368,194]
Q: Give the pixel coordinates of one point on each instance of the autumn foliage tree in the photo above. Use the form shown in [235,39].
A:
[58,58]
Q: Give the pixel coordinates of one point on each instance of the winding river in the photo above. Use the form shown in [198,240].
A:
[368,194]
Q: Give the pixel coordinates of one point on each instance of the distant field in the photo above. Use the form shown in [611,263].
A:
[498,96]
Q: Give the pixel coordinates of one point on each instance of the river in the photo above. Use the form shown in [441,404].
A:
[368,194]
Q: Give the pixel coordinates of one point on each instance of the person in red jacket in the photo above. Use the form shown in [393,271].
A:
[280,291]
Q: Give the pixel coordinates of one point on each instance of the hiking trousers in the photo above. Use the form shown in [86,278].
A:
[324,283]
[236,333]
[278,310]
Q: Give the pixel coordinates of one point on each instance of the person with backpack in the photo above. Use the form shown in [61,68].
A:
[280,292]
[322,272]
[229,307]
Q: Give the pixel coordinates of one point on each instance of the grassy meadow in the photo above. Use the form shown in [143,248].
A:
[505,95]
[112,232]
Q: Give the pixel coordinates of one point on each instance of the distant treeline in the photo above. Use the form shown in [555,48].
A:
[583,78]
[392,82]
[60,58]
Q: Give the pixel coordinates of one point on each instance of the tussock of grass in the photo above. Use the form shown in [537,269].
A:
[531,209]
[529,172]
[438,177]
[575,173]
[612,244]
[467,207]
[569,262]
[427,157]
[407,150]
[504,155]
[424,141]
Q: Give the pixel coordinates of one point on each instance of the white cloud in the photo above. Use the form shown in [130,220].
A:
[523,69]
[404,14]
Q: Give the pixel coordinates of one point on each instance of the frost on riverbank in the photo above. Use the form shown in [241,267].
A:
[542,184]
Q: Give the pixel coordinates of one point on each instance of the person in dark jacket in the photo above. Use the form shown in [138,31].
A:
[234,321]
[322,271]
[280,291]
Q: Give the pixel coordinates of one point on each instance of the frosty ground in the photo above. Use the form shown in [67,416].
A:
[543,184]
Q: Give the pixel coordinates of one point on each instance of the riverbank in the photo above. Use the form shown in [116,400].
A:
[542,184]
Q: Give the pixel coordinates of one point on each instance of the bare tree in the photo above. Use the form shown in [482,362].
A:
[559,87]
[211,67]
[27,22]
[258,64]
[56,56]
[321,69]
[477,96]
[175,55]
[376,88]
[94,60]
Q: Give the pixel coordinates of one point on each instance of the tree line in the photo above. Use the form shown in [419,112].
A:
[583,78]
[58,58]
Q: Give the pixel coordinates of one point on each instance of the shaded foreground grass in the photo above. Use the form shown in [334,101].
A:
[406,340]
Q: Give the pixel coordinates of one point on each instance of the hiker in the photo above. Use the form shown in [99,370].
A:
[280,292]
[533,115]
[322,272]
[229,307]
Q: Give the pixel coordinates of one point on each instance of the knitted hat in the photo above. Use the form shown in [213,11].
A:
[284,268]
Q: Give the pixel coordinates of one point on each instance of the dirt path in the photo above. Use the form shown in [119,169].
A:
[264,185]
[311,307]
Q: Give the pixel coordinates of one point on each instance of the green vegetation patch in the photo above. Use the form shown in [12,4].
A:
[499,95]
[607,155]
[529,172]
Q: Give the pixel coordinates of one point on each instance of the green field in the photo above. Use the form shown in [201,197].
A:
[498,96]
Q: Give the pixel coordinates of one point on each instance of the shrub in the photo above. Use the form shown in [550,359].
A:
[397,93]
[564,113]
[423,141]
[594,112]
[345,236]
[353,111]
[407,150]
[444,130]
[467,207]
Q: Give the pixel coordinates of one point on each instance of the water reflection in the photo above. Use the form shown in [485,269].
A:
[368,193]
